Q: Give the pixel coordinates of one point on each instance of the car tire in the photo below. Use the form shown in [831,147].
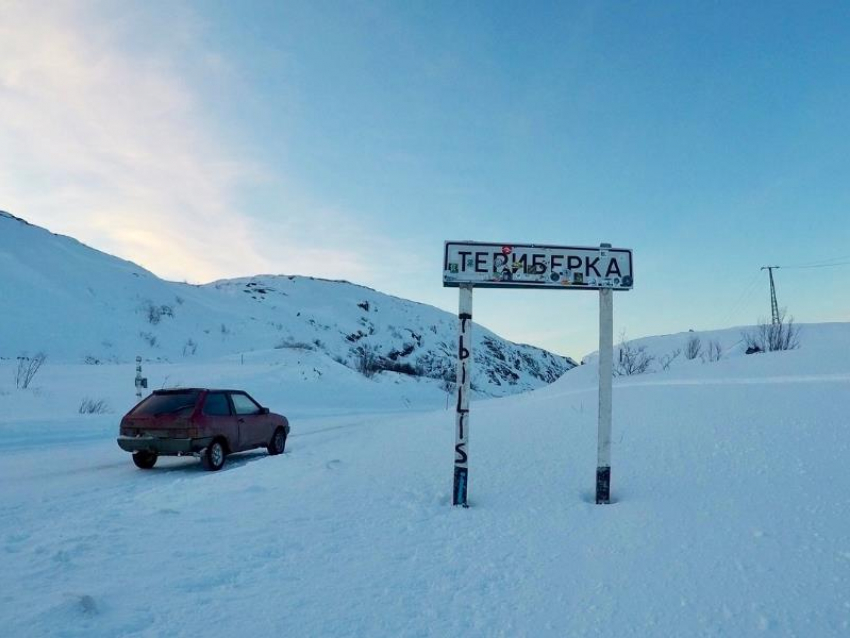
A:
[214,455]
[278,443]
[144,460]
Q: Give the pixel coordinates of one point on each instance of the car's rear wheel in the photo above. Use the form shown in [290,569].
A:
[213,457]
[278,442]
[144,460]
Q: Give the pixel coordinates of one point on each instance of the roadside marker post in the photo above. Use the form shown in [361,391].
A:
[468,264]
[141,382]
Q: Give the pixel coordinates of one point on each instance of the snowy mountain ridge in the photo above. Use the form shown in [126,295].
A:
[78,304]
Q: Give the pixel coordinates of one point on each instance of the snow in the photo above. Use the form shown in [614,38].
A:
[78,305]
[732,505]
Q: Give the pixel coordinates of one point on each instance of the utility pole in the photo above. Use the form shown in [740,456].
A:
[774,307]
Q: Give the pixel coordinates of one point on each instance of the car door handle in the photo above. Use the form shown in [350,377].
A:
[240,420]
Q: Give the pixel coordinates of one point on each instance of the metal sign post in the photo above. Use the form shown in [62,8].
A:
[464,365]
[606,373]
[468,264]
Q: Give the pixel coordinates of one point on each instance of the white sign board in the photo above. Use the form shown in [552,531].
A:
[493,265]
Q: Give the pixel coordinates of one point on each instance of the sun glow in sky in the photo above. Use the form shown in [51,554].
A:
[348,140]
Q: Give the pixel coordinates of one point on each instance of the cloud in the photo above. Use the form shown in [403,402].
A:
[106,136]
[106,144]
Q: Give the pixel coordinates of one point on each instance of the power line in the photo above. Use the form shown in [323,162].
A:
[742,298]
[834,262]
[822,263]
[833,265]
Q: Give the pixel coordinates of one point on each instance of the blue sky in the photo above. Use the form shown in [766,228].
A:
[349,140]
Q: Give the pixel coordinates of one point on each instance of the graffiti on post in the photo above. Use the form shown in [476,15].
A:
[464,361]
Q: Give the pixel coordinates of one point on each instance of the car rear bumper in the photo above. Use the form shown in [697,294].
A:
[163,447]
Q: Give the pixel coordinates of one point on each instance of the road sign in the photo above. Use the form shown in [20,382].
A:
[494,265]
[468,265]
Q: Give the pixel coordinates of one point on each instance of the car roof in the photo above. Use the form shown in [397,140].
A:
[182,390]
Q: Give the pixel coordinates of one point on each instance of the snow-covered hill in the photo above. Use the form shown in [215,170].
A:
[77,304]
[689,350]
[730,516]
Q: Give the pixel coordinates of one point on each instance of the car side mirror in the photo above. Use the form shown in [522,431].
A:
[264,410]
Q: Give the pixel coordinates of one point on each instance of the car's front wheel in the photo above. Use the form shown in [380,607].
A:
[144,460]
[213,457]
[278,442]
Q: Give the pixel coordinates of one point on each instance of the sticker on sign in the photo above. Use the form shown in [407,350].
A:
[503,265]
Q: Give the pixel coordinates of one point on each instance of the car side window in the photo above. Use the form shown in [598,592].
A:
[216,404]
[244,405]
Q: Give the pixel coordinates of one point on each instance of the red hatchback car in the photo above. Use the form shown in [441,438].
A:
[209,424]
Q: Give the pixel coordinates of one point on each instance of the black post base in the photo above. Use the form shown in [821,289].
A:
[459,490]
[603,485]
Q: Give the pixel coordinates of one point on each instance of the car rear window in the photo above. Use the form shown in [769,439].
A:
[167,403]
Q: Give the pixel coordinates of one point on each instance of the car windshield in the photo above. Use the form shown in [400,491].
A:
[167,403]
